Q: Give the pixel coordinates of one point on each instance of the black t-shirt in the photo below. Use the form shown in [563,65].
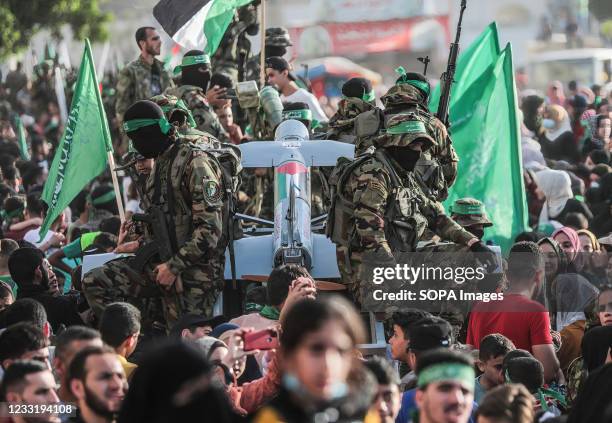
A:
[61,310]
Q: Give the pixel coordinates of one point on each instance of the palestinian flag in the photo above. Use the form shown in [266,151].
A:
[197,24]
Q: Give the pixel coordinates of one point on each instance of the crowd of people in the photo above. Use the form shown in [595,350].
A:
[132,342]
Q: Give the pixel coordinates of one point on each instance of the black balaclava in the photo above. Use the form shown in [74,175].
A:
[273,51]
[198,75]
[406,157]
[149,141]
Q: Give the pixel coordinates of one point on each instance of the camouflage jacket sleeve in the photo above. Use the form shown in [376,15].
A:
[205,118]
[442,224]
[203,180]
[370,200]
[125,92]
[445,152]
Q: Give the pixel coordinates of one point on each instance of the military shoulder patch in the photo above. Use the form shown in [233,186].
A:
[212,191]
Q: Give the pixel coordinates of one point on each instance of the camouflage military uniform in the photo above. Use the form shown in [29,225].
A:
[205,118]
[375,195]
[196,203]
[437,168]
[233,52]
[341,125]
[135,83]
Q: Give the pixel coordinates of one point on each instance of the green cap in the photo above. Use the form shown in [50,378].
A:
[469,211]
[202,59]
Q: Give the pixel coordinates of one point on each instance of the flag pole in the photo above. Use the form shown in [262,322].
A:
[262,54]
[111,163]
[109,147]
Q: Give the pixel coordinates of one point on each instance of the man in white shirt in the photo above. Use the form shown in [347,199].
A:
[277,72]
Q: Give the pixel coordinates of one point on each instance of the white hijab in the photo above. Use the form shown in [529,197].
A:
[557,188]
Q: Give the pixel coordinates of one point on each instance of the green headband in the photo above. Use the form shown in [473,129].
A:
[368,96]
[202,59]
[447,371]
[180,105]
[105,198]
[303,114]
[408,127]
[403,79]
[134,124]
[468,209]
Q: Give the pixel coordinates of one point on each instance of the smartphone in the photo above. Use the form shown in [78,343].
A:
[266,339]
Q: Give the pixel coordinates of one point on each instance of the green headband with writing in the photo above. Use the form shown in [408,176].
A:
[180,105]
[202,59]
[468,209]
[403,79]
[303,114]
[447,371]
[135,124]
[408,127]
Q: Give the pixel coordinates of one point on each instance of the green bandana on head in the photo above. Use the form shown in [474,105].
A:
[304,114]
[403,79]
[367,97]
[447,371]
[135,124]
[408,127]
[202,59]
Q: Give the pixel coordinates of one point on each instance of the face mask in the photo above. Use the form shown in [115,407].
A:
[151,147]
[405,157]
[293,384]
[548,123]
[191,75]
[477,232]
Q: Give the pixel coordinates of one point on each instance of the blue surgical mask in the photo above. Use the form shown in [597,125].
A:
[548,123]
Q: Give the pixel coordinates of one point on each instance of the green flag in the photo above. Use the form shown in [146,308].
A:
[22,139]
[82,151]
[471,63]
[486,135]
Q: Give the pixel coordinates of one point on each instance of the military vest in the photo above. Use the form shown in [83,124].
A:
[404,221]
[166,186]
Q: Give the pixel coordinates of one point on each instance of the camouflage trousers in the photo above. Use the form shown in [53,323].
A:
[350,267]
[118,281]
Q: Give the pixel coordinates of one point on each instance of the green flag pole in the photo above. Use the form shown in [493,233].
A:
[109,147]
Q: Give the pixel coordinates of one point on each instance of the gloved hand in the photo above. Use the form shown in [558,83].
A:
[484,256]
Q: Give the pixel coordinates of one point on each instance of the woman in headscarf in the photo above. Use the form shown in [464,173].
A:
[558,140]
[560,201]
[574,299]
[555,264]
[555,94]
[570,243]
[595,261]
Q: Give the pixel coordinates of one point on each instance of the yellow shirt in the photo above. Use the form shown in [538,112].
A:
[128,367]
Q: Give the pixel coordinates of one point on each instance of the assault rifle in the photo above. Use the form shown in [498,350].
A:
[447,78]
